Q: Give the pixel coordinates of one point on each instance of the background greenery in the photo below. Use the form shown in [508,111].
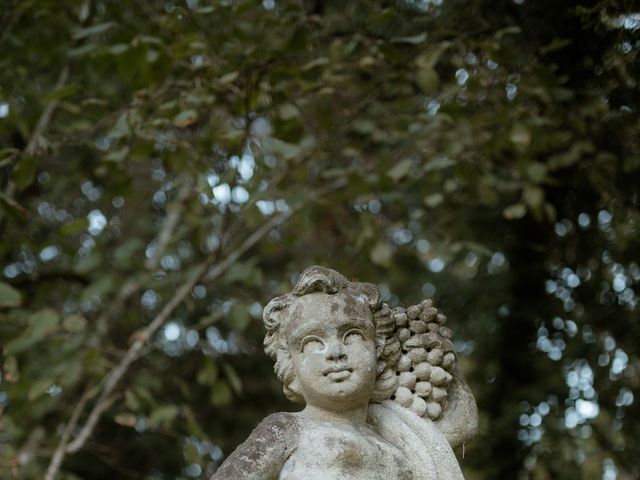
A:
[168,167]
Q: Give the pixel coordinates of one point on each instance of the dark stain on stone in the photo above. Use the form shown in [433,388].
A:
[352,307]
[350,457]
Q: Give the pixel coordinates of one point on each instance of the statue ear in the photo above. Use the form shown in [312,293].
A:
[276,311]
[293,391]
[294,386]
[371,291]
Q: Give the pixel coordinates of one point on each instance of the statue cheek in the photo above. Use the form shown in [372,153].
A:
[366,352]
[310,362]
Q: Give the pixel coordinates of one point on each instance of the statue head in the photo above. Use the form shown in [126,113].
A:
[332,341]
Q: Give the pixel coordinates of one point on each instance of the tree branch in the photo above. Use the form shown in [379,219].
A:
[58,455]
[132,285]
[134,352]
[127,289]
[170,222]
[41,126]
[47,113]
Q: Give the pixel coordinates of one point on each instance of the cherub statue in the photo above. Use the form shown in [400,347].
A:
[384,397]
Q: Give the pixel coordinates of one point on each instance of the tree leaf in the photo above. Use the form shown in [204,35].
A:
[98,288]
[208,373]
[427,79]
[520,135]
[364,126]
[74,323]
[39,387]
[429,59]
[239,316]
[117,155]
[125,419]
[93,30]
[515,211]
[401,169]
[288,111]
[63,92]
[9,296]
[221,394]
[125,253]
[83,50]
[285,150]
[533,196]
[555,44]
[118,48]
[78,225]
[228,77]
[24,172]
[186,118]
[439,163]
[87,264]
[412,40]
[232,377]
[479,248]
[13,208]
[131,400]
[382,254]
[121,128]
[537,171]
[433,200]
[571,156]
[41,324]
[10,370]
[164,415]
[7,155]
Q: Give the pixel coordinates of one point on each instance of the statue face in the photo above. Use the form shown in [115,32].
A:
[331,340]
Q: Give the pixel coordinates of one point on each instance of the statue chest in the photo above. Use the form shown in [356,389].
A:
[331,453]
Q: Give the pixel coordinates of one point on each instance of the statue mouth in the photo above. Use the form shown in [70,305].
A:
[338,372]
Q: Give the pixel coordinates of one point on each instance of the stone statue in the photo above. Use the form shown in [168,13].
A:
[384,396]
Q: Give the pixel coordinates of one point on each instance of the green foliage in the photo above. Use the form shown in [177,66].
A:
[491,159]
[41,324]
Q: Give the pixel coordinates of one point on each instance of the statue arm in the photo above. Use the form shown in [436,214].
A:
[263,454]
[459,421]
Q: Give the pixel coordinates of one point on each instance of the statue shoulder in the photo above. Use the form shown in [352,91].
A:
[263,454]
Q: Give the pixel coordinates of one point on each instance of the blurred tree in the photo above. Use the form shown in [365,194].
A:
[168,167]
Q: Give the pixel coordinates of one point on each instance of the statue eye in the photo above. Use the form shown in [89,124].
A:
[311,343]
[352,335]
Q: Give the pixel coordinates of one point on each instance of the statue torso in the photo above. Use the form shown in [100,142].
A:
[327,451]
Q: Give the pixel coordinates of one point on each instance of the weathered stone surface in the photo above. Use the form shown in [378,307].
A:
[382,401]
[262,455]
[423,370]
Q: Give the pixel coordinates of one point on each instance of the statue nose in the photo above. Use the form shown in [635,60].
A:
[335,351]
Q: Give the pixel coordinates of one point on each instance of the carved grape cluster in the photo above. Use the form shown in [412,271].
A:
[425,366]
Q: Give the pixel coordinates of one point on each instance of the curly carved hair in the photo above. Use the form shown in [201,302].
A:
[320,279]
